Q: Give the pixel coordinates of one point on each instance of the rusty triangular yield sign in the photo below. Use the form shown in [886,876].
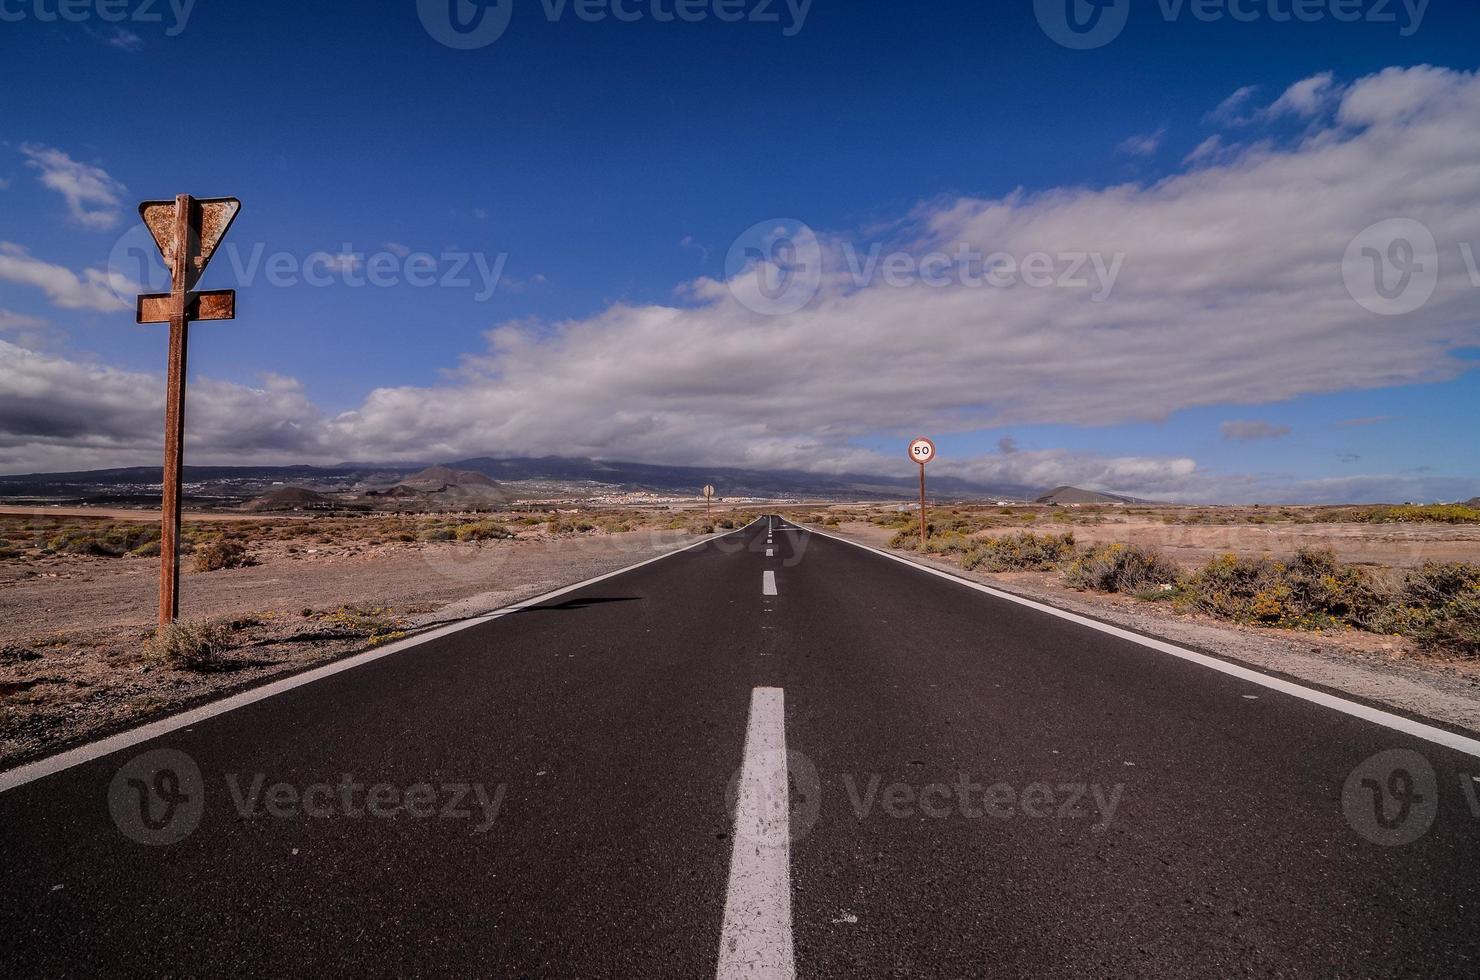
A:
[210,219]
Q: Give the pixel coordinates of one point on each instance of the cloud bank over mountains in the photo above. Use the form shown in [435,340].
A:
[1227,289]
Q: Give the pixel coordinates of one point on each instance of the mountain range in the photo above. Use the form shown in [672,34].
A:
[241,483]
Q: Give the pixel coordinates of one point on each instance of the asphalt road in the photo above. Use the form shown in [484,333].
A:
[872,772]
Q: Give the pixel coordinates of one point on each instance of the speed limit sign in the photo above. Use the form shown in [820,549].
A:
[922,451]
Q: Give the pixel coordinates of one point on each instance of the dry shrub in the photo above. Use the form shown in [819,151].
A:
[1129,569]
[188,646]
[223,553]
[483,531]
[1440,608]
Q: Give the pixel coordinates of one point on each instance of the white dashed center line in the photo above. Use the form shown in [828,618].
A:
[768,584]
[755,943]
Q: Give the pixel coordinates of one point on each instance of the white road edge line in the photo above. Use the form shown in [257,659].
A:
[755,942]
[1376,716]
[768,584]
[95,750]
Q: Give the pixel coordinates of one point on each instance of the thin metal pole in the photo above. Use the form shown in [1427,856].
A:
[922,508]
[174,421]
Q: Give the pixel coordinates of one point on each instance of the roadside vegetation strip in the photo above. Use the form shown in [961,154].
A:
[41,768]
[1436,604]
[1429,733]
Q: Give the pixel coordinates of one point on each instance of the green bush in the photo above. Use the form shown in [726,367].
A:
[109,541]
[1309,589]
[1416,514]
[483,531]
[1128,569]
[1023,552]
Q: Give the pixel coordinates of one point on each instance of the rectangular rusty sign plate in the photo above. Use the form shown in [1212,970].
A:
[218,304]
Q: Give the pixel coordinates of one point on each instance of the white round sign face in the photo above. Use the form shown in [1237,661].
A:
[922,451]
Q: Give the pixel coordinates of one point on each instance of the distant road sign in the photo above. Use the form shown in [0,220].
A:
[708,492]
[922,451]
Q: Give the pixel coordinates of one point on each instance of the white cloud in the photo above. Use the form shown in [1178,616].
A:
[1306,98]
[1252,430]
[689,242]
[125,40]
[26,331]
[1209,149]
[17,321]
[397,249]
[95,289]
[1231,108]
[1143,145]
[341,263]
[58,413]
[1398,99]
[92,195]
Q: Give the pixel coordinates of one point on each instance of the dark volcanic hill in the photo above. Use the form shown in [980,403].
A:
[291,498]
[436,478]
[1074,495]
[445,487]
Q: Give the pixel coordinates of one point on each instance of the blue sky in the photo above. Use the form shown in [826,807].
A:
[610,166]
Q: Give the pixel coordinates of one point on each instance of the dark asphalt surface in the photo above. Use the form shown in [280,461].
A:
[1148,818]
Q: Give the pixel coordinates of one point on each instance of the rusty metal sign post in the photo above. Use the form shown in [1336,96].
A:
[187,231]
[922,451]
